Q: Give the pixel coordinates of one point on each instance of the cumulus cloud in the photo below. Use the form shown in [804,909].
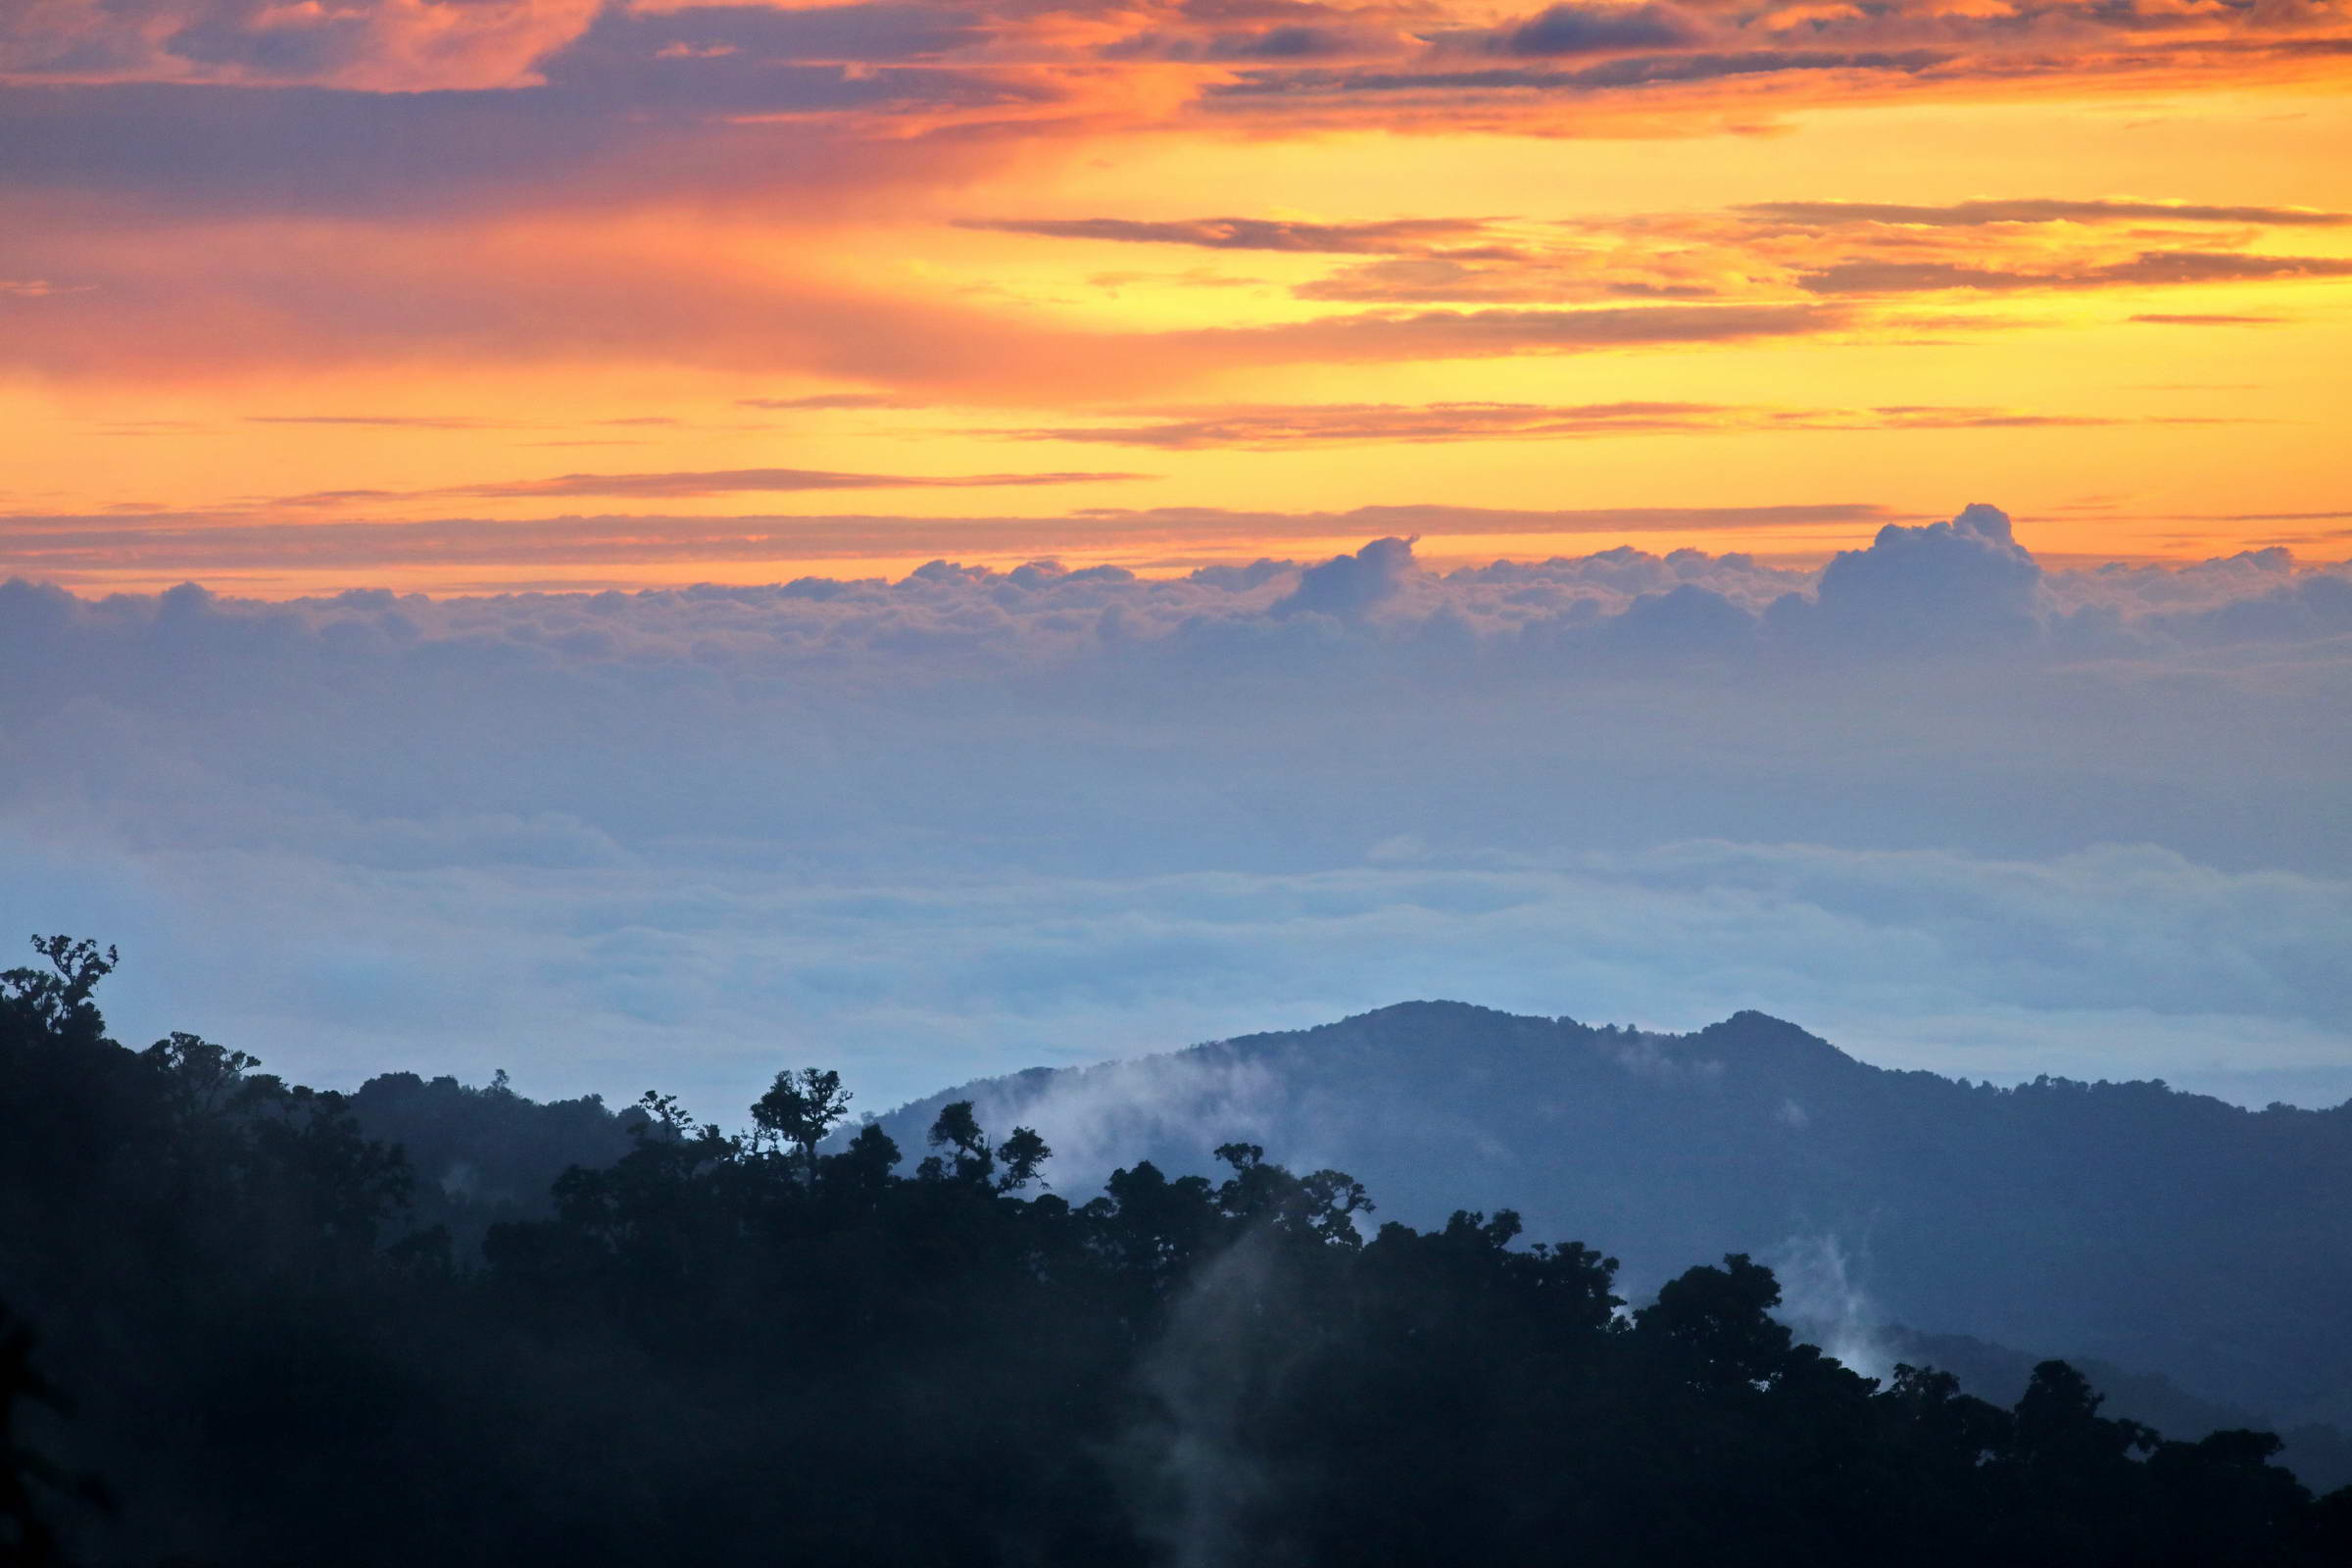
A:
[1959,585]
[1958,810]
[1928,588]
[1347,586]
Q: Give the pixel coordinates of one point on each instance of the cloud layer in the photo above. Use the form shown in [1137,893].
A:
[961,62]
[1948,806]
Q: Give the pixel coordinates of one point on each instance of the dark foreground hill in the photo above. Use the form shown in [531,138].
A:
[740,1348]
[2156,1230]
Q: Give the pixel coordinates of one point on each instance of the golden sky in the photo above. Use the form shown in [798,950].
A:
[516,293]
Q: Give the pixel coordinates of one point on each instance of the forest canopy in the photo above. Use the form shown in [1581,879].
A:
[241,1330]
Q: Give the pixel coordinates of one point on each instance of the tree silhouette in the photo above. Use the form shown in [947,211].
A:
[703,1344]
[802,1108]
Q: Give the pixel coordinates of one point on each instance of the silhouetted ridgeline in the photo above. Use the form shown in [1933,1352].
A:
[487,1154]
[740,1348]
[2155,1230]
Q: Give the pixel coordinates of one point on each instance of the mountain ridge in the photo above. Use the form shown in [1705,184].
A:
[2152,1227]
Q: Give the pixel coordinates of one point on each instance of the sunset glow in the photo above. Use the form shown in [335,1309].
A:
[544,292]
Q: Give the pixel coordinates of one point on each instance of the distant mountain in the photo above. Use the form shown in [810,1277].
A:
[2155,1230]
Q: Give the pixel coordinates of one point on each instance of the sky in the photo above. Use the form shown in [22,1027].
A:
[631,541]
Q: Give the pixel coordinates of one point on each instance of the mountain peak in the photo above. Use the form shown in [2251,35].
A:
[1759,1037]
[1425,1011]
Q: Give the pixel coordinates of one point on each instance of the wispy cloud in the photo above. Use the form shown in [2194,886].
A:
[2041,209]
[1485,333]
[387,421]
[203,544]
[2157,269]
[1763,252]
[826,402]
[1390,237]
[1274,427]
[2160,319]
[714,482]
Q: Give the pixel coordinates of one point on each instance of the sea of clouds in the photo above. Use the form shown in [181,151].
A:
[1938,804]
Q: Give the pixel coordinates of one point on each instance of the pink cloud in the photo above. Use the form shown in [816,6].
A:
[373,45]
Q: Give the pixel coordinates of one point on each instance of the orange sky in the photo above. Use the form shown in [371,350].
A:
[541,292]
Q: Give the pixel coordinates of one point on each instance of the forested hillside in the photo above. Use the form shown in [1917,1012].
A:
[243,1349]
[2164,1232]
